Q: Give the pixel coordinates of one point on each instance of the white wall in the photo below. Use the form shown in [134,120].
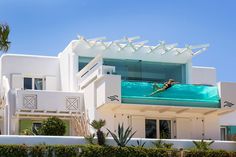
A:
[106,87]
[184,128]
[50,100]
[70,140]
[212,127]
[30,66]
[138,125]
[203,75]
[68,68]
[227,91]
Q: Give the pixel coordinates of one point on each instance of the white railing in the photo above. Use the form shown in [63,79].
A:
[90,68]
[92,71]
[54,101]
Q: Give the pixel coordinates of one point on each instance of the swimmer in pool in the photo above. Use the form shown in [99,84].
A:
[165,86]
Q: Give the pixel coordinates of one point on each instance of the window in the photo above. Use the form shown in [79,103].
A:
[27,83]
[38,84]
[162,131]
[223,133]
[151,128]
[35,127]
[165,129]
[138,70]
[33,83]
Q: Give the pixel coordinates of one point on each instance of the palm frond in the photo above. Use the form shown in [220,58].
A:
[4,33]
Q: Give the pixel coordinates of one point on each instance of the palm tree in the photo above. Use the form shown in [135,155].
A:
[4,32]
[100,135]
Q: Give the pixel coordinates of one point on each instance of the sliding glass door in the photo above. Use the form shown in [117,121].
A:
[165,129]
[162,128]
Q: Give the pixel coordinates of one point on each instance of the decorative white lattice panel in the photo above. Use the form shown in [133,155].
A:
[30,101]
[72,103]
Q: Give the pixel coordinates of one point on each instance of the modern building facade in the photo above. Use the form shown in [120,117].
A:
[94,79]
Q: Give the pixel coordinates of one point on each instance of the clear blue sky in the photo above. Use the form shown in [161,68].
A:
[45,27]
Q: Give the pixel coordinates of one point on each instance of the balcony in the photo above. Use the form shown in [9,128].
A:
[178,95]
[50,102]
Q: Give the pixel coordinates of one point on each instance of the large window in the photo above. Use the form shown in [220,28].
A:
[165,129]
[33,83]
[27,83]
[151,128]
[38,84]
[161,130]
[36,127]
[138,70]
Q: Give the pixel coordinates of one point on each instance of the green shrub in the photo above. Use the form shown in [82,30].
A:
[53,126]
[161,144]
[203,145]
[207,153]
[102,151]
[13,150]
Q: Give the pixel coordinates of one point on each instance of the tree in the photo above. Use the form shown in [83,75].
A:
[53,126]
[4,32]
[100,135]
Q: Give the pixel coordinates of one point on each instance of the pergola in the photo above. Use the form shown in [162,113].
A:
[132,42]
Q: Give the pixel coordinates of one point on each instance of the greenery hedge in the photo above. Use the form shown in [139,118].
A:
[102,151]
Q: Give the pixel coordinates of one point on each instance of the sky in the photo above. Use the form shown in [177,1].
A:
[45,27]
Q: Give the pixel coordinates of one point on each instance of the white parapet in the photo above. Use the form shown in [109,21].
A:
[48,101]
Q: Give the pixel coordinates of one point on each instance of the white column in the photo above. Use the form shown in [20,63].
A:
[5,121]
[189,72]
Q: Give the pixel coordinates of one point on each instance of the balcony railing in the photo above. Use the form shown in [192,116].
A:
[49,101]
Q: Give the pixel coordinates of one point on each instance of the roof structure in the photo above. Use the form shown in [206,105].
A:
[132,48]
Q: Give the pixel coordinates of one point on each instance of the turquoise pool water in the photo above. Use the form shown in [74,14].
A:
[177,95]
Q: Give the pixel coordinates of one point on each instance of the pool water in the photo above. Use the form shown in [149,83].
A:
[177,95]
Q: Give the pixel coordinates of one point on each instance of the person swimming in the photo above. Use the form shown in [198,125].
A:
[165,86]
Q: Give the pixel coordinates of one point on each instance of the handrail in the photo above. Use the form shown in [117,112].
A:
[90,66]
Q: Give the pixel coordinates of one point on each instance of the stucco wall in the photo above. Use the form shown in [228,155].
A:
[203,75]
[30,66]
[65,140]
[51,100]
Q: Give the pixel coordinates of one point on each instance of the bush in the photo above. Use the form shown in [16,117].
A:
[13,150]
[208,153]
[53,126]
[102,151]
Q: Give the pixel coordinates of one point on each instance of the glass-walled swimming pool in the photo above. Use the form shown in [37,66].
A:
[177,95]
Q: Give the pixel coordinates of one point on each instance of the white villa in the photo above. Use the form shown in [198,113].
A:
[97,79]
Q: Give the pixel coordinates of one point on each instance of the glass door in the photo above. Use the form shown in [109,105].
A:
[165,129]
[150,128]
[223,133]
